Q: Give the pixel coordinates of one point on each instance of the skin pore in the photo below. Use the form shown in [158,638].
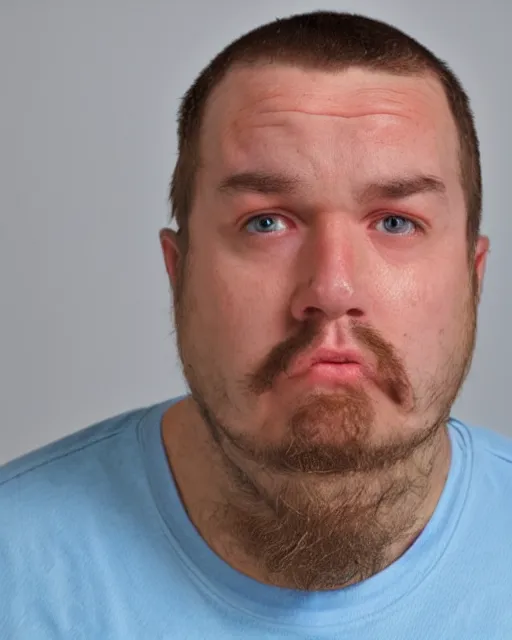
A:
[328,214]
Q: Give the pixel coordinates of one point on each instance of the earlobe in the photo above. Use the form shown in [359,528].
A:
[171,253]
[481,253]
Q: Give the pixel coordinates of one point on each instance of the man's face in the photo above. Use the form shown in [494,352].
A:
[329,222]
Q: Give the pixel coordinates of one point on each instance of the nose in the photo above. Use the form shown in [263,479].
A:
[330,274]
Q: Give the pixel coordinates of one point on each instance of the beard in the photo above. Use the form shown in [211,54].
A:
[319,513]
[323,515]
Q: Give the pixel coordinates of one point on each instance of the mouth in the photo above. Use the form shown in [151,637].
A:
[329,366]
[333,372]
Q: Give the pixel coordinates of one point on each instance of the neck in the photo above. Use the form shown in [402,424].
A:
[303,532]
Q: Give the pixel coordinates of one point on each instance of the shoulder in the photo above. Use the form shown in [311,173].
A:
[488,443]
[65,490]
[48,489]
[491,457]
[65,456]
[60,506]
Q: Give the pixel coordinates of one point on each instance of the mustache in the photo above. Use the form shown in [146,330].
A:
[390,373]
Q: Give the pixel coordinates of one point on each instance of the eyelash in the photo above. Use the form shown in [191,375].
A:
[418,227]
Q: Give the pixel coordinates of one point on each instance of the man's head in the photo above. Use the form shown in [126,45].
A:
[319,339]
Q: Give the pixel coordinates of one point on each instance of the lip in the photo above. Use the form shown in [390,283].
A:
[328,362]
[333,374]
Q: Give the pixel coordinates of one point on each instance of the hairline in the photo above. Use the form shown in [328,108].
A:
[423,71]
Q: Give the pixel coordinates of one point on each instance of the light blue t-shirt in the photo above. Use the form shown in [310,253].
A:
[96,545]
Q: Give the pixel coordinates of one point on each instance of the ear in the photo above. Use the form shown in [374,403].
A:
[481,253]
[171,252]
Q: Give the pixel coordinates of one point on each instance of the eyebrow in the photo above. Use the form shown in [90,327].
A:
[401,188]
[282,184]
[259,182]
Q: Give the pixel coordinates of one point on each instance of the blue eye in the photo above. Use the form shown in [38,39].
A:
[265,223]
[398,225]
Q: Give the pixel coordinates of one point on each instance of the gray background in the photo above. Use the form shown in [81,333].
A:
[89,92]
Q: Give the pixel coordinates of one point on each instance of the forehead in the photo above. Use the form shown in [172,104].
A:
[365,121]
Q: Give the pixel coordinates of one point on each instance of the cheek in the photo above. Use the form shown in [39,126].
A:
[232,311]
[425,310]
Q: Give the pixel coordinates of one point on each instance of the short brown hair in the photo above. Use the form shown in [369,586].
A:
[328,41]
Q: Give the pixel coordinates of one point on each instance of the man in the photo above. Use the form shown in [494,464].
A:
[326,274]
